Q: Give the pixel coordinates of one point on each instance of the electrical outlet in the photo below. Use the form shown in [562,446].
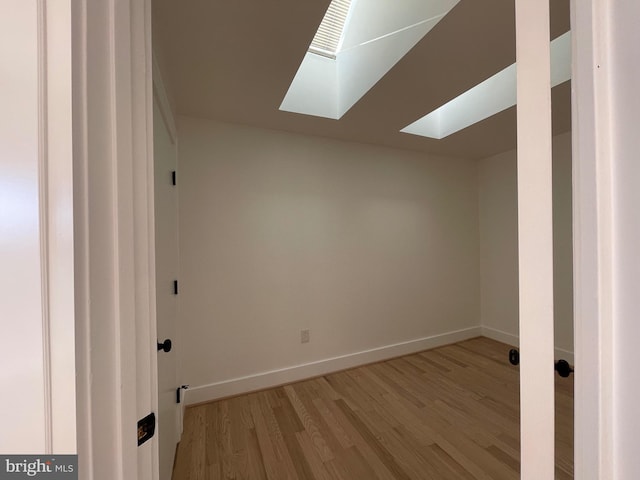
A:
[304,336]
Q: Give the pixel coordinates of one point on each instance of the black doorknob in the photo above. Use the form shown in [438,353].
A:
[514,357]
[563,368]
[165,346]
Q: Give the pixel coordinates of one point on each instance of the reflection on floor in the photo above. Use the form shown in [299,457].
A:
[447,413]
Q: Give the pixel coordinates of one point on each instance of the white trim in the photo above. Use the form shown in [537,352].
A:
[113,222]
[592,215]
[44,212]
[56,186]
[500,336]
[85,409]
[563,354]
[235,386]
[144,227]
[514,341]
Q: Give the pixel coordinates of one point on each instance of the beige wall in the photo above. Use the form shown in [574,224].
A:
[365,246]
[499,245]
[498,214]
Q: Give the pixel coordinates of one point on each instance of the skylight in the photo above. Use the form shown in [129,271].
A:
[329,35]
[357,43]
[492,96]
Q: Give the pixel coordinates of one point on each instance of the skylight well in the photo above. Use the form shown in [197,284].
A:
[328,38]
[488,98]
[357,43]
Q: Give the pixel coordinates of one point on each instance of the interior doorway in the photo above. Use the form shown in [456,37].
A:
[566,91]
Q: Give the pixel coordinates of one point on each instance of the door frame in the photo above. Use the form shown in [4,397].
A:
[116,358]
[593,214]
[114,239]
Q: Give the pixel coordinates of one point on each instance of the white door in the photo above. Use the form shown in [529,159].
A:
[535,240]
[20,283]
[166,212]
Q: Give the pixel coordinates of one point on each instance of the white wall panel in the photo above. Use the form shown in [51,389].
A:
[365,246]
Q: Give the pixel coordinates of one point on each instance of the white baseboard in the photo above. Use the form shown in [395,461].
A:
[500,336]
[511,339]
[565,355]
[259,381]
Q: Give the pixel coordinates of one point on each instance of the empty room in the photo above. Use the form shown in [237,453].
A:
[338,211]
[337,239]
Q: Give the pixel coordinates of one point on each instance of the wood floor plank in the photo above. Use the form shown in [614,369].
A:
[372,441]
[350,464]
[362,443]
[447,413]
[256,462]
[333,424]
[310,425]
[318,467]
[278,463]
[427,463]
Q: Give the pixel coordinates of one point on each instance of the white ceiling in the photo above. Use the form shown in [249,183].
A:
[234,60]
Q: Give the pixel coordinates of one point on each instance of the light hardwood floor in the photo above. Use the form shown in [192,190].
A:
[447,413]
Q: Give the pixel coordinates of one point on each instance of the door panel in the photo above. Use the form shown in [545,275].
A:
[535,241]
[166,300]
[38,377]
[23,384]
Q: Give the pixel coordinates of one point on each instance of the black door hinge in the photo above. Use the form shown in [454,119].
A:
[175,287]
[173,178]
[179,392]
